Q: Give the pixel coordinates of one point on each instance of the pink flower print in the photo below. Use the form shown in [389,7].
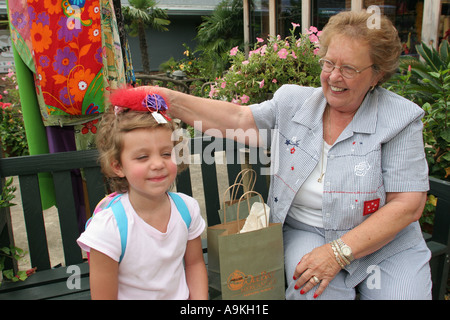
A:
[313,38]
[253,52]
[283,53]
[316,51]
[295,25]
[234,51]
[274,81]
[245,98]
[259,39]
[261,84]
[293,55]
[245,62]
[275,47]
[223,84]
[312,29]
[263,49]
[236,101]
[213,92]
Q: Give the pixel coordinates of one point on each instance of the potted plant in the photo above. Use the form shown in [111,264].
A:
[271,63]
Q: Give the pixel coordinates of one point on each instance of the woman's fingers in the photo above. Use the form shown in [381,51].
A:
[316,270]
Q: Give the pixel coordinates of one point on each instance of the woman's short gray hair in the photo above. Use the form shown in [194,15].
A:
[383,40]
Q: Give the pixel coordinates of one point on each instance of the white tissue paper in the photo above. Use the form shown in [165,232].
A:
[257,218]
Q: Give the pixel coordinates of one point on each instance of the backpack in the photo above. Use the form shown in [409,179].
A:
[113,201]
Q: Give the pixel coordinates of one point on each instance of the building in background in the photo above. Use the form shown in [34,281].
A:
[416,20]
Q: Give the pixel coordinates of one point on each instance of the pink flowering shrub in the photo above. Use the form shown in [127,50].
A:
[271,63]
[12,130]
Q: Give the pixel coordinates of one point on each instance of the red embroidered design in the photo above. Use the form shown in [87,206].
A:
[371,206]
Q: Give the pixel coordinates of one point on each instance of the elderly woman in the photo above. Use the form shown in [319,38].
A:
[352,176]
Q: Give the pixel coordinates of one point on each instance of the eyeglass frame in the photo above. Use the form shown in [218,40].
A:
[340,68]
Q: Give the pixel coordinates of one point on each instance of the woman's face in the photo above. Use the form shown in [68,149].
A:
[346,95]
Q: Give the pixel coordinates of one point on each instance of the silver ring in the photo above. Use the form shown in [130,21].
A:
[315,279]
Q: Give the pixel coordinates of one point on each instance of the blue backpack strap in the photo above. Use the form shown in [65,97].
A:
[122,222]
[182,208]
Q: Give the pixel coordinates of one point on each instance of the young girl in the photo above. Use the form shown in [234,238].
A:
[136,155]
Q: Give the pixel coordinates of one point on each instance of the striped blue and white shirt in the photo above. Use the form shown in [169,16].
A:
[380,151]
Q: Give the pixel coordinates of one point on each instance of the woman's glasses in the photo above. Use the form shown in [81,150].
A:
[348,72]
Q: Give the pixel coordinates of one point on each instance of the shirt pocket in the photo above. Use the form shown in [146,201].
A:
[353,181]
[357,170]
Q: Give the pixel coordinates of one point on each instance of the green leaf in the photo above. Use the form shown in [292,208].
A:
[446,134]
[446,156]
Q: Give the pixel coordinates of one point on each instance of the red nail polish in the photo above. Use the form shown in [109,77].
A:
[315,295]
[296,287]
[302,291]
[294,278]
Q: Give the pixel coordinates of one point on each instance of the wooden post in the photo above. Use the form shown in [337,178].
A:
[357,5]
[246,8]
[272,18]
[306,16]
[430,22]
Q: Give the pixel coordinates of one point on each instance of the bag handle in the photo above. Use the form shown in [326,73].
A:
[224,196]
[241,175]
[248,204]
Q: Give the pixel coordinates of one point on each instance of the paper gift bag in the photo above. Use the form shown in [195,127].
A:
[245,180]
[246,265]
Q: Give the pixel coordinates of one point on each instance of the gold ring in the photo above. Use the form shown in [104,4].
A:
[315,279]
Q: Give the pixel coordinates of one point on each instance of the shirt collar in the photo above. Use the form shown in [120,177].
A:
[364,121]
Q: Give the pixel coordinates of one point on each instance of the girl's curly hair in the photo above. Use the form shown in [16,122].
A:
[109,140]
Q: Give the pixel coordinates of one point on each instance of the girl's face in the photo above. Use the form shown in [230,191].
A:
[146,162]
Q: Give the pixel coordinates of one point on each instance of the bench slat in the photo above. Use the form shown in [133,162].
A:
[34,221]
[67,211]
[42,278]
[95,185]
[46,291]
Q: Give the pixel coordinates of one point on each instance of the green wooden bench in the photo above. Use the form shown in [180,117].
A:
[439,240]
[52,283]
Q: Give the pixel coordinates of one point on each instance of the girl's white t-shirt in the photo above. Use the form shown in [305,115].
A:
[152,266]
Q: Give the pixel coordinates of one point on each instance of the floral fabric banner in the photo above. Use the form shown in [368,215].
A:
[61,42]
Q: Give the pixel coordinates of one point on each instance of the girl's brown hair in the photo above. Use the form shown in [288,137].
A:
[382,38]
[109,140]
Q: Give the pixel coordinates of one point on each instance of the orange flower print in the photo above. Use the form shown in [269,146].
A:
[94,10]
[53,6]
[41,79]
[94,33]
[79,83]
[41,36]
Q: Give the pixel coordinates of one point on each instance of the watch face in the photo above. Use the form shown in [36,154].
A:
[346,251]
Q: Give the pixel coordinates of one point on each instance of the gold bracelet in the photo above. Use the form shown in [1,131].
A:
[335,246]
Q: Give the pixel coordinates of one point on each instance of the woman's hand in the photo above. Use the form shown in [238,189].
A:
[316,268]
